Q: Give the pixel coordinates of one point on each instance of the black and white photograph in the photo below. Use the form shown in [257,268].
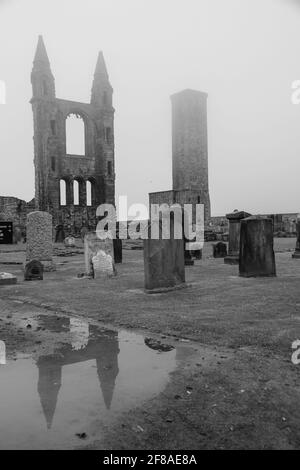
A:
[149,228]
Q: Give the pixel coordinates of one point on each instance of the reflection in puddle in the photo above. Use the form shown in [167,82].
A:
[83,386]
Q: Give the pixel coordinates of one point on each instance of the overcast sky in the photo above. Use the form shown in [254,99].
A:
[244,53]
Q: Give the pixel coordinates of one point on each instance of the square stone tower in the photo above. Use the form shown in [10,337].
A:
[189,145]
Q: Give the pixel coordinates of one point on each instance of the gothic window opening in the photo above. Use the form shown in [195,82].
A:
[63,193]
[109,168]
[75,135]
[107,134]
[76,193]
[88,193]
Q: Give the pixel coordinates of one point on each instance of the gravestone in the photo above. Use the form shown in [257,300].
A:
[33,271]
[197,254]
[83,232]
[7,279]
[118,254]
[234,236]
[70,242]
[296,254]
[256,247]
[6,233]
[163,262]
[59,234]
[103,265]
[219,250]
[17,234]
[99,256]
[39,239]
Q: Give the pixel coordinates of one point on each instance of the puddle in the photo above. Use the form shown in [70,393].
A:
[81,388]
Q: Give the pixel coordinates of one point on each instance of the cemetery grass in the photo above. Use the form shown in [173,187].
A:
[236,386]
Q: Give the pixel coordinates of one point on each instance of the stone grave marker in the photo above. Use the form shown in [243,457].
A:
[39,239]
[99,256]
[7,279]
[234,236]
[33,271]
[219,250]
[256,247]
[164,262]
[296,254]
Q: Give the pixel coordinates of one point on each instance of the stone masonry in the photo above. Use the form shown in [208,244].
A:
[39,239]
[52,163]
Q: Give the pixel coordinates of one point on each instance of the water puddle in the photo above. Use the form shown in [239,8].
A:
[81,387]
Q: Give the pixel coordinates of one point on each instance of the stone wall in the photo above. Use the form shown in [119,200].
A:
[15,210]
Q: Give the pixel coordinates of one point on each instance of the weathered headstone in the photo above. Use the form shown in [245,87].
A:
[234,236]
[59,234]
[256,247]
[6,233]
[70,242]
[99,256]
[39,239]
[33,271]
[219,250]
[7,279]
[83,232]
[296,254]
[163,262]
[118,255]
[17,234]
[197,254]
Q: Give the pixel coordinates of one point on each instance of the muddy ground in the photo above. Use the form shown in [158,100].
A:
[229,382]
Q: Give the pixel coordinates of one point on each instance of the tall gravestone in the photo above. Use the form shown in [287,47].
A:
[39,239]
[296,254]
[234,236]
[256,247]
[163,262]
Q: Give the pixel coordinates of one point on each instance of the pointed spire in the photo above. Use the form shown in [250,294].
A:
[42,80]
[48,386]
[101,88]
[41,55]
[101,69]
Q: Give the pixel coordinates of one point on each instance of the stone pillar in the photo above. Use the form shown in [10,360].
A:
[256,247]
[234,236]
[163,262]
[296,254]
[39,239]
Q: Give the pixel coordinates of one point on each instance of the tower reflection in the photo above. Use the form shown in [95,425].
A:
[103,346]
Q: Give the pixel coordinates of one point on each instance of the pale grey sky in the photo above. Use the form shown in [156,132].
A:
[244,53]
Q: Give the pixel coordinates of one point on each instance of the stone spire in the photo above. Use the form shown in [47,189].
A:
[41,77]
[101,88]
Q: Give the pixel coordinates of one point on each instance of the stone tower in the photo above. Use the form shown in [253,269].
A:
[55,170]
[189,145]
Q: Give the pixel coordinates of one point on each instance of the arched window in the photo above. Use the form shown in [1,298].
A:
[75,135]
[88,193]
[76,193]
[63,193]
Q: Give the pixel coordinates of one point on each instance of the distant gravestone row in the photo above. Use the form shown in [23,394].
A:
[250,245]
